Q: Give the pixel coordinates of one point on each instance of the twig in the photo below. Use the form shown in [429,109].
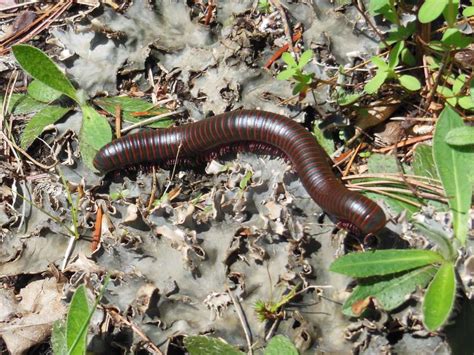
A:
[369,22]
[403,143]
[153,189]
[121,319]
[242,318]
[281,50]
[118,121]
[349,164]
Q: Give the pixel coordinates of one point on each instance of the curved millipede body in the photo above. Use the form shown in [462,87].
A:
[256,128]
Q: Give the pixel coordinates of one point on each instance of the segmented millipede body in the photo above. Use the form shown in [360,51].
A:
[255,128]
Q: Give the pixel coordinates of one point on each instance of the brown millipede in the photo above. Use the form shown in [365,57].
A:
[258,129]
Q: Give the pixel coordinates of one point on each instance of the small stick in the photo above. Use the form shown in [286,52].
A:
[97,230]
[281,50]
[351,160]
[404,143]
[242,318]
[121,319]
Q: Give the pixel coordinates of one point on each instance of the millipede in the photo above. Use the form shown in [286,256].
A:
[253,130]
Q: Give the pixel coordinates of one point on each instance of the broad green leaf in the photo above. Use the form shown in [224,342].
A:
[58,338]
[430,10]
[286,74]
[459,83]
[390,291]
[448,94]
[299,87]
[397,205]
[380,163]
[394,55]
[461,136]
[202,345]
[379,62]
[77,316]
[383,262]
[37,123]
[453,38]
[130,106]
[95,133]
[439,298]
[21,104]
[439,237]
[376,5]
[305,58]
[42,92]
[466,102]
[468,11]
[450,12]
[376,82]
[326,143]
[345,99]
[289,60]
[408,58]
[280,345]
[399,33]
[423,162]
[409,82]
[36,63]
[453,165]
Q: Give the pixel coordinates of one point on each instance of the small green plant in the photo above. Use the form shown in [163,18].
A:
[45,98]
[294,71]
[70,337]
[390,275]
[203,345]
[386,71]
[264,6]
[271,310]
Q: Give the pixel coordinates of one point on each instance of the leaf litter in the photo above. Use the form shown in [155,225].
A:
[175,263]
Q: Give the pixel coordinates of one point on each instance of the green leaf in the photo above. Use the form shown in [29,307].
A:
[280,345]
[42,92]
[423,162]
[326,143]
[95,133]
[453,169]
[380,163]
[395,54]
[58,338]
[468,11]
[305,58]
[345,99]
[438,236]
[383,262]
[37,123]
[77,316]
[289,60]
[202,345]
[376,82]
[286,74]
[299,87]
[439,298]
[379,63]
[36,63]
[400,33]
[461,136]
[458,84]
[397,205]
[21,104]
[129,106]
[447,94]
[408,58]
[390,291]
[430,10]
[409,82]
[466,102]
[246,179]
[453,38]
[377,5]
[450,12]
